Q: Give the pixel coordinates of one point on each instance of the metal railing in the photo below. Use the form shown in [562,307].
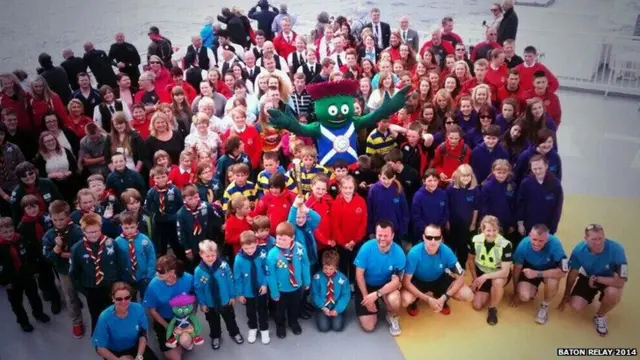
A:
[608,63]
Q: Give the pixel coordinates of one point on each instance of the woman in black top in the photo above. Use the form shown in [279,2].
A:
[162,137]
[125,140]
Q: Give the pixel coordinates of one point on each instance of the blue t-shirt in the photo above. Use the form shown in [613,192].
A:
[379,267]
[549,257]
[118,334]
[611,260]
[159,294]
[427,267]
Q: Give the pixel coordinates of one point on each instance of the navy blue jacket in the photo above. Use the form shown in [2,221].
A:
[121,181]
[540,203]
[462,203]
[513,153]
[474,138]
[499,199]
[386,204]
[523,169]
[59,263]
[482,159]
[172,203]
[472,123]
[210,220]
[429,208]
[264,17]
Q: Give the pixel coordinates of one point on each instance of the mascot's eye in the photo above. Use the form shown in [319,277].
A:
[344,109]
[333,110]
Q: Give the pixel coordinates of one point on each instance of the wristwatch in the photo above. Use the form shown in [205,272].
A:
[379,294]
[139,357]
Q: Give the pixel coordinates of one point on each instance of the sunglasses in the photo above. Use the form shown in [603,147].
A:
[593,227]
[485,116]
[28,174]
[450,122]
[121,299]
[154,62]
[432,238]
[461,49]
[162,271]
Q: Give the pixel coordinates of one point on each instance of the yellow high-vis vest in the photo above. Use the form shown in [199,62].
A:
[489,261]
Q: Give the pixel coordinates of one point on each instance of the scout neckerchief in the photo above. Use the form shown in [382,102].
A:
[254,269]
[288,254]
[213,282]
[96,257]
[162,192]
[197,228]
[132,253]
[329,300]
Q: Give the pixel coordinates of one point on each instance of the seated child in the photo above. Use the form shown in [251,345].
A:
[331,293]
[213,285]
[250,283]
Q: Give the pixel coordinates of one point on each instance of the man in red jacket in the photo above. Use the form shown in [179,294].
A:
[549,99]
[480,71]
[512,89]
[286,39]
[440,47]
[531,66]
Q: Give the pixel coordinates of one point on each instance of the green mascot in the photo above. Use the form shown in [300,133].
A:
[184,328]
[336,126]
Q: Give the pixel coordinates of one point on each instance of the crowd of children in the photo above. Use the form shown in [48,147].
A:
[271,228]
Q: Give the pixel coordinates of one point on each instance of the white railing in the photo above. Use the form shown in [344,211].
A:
[608,63]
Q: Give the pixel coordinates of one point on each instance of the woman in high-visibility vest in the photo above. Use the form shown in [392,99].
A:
[490,266]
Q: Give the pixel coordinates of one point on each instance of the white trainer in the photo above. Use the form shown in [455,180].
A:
[543,315]
[251,337]
[394,325]
[264,336]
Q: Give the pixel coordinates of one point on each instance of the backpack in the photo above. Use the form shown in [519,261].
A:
[442,148]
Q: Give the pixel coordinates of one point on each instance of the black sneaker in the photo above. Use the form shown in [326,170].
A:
[26,327]
[56,307]
[492,316]
[43,318]
[304,314]
[296,329]
[215,343]
[238,339]
[281,332]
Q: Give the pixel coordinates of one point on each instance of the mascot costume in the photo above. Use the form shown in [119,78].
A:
[336,126]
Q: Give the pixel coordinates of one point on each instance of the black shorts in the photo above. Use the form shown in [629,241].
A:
[535,281]
[582,289]
[362,310]
[437,287]
[486,286]
[161,335]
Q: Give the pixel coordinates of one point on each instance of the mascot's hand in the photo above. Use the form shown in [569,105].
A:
[280,119]
[398,99]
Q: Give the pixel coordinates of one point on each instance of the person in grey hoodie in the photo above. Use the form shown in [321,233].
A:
[275,26]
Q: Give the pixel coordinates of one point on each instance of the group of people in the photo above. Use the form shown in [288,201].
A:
[466,176]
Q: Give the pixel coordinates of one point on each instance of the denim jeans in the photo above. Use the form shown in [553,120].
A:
[326,323]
